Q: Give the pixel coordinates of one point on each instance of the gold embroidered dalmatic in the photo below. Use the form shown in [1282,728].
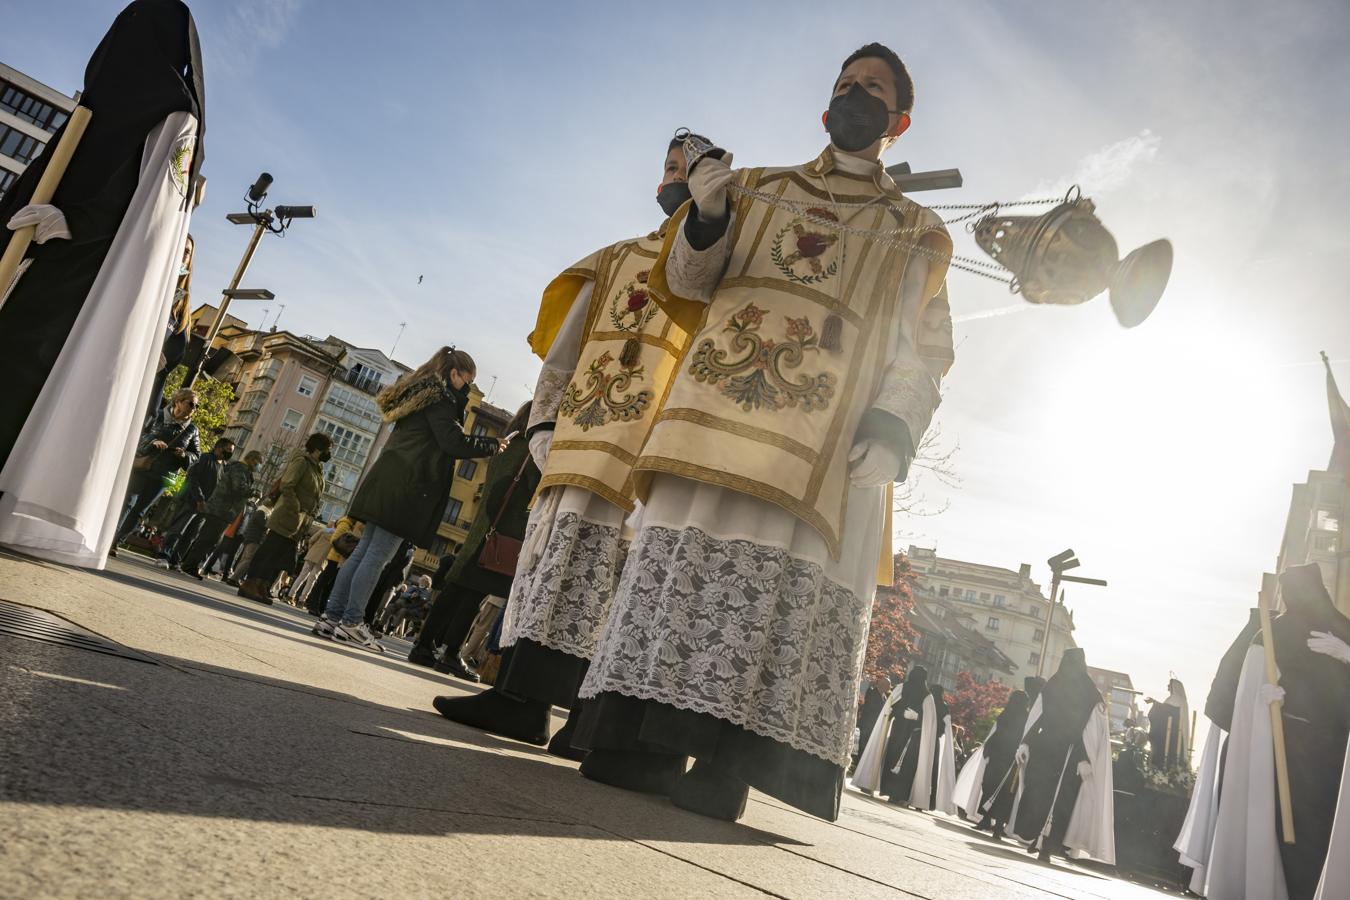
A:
[761,404]
[629,350]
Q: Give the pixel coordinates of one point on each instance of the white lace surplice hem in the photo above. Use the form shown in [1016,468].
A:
[564,600]
[730,606]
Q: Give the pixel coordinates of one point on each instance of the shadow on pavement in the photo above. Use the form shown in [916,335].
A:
[190,738]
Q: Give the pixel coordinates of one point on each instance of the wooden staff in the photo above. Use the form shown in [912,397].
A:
[46,188]
[1277,724]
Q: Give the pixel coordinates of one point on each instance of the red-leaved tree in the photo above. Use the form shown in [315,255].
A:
[892,640]
[974,706]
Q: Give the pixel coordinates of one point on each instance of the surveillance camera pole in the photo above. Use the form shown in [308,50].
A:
[262,220]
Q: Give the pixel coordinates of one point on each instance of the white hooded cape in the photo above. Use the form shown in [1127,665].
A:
[922,786]
[1197,832]
[1092,827]
[67,475]
[867,774]
[1244,861]
[968,791]
[946,774]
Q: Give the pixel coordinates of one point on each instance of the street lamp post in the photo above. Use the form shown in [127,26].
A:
[1059,564]
[263,220]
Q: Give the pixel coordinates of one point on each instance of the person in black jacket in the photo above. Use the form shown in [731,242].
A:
[466,582]
[169,442]
[198,489]
[405,494]
[223,506]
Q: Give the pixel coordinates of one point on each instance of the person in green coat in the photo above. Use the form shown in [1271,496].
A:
[299,493]
[467,582]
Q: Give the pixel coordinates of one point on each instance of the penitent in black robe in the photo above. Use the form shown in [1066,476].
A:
[1316,714]
[904,738]
[999,752]
[1055,740]
[147,67]
[868,713]
[941,711]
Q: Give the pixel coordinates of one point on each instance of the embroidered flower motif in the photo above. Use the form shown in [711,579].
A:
[754,372]
[637,300]
[604,396]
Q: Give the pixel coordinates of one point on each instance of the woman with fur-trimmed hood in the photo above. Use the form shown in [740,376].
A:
[404,495]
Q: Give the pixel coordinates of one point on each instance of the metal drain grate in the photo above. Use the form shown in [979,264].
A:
[37,625]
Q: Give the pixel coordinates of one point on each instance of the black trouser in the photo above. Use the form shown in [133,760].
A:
[276,554]
[180,535]
[143,490]
[389,578]
[208,535]
[224,552]
[323,586]
[450,619]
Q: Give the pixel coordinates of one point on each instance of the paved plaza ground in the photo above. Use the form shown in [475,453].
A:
[246,758]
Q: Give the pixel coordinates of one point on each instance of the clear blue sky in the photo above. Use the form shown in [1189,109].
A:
[488,145]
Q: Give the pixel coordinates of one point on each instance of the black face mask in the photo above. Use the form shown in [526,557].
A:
[672,196]
[325,456]
[856,119]
[225,455]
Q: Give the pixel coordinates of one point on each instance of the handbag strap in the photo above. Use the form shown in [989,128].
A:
[506,501]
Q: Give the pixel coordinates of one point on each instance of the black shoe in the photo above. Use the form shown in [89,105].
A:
[998,831]
[495,713]
[421,656]
[195,573]
[561,743]
[710,792]
[112,552]
[451,664]
[633,770]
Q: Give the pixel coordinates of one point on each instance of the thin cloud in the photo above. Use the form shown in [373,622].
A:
[1107,169]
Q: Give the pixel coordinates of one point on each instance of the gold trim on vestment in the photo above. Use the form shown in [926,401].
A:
[782,285]
[594,485]
[650,340]
[623,455]
[740,429]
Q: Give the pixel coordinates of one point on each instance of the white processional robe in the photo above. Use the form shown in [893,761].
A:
[969,788]
[867,774]
[1335,883]
[66,478]
[922,786]
[1244,860]
[945,801]
[1197,831]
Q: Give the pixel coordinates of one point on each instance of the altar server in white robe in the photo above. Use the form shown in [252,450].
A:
[81,328]
[738,628]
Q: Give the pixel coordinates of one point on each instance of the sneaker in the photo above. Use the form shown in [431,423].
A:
[323,628]
[359,635]
[161,563]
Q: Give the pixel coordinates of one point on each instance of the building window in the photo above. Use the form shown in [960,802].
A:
[984,596]
[1000,601]
[1035,659]
[1035,612]
[18,146]
[1325,542]
[348,446]
[31,109]
[307,386]
[439,546]
[1039,635]
[452,511]
[992,624]
[7,178]
[467,469]
[1328,520]
[942,591]
[479,428]
[365,378]
[291,421]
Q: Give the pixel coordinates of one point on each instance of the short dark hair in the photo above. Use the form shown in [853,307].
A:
[904,85]
[318,441]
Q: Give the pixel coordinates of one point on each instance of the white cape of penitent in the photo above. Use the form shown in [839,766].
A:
[946,773]
[967,793]
[922,787]
[1335,882]
[867,774]
[1197,832]
[66,477]
[1244,861]
[1092,829]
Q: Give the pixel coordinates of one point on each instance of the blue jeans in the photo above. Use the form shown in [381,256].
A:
[359,575]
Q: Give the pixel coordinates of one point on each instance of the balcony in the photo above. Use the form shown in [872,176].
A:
[363,382]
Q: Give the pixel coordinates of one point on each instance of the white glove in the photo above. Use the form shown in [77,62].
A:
[872,464]
[1084,770]
[911,715]
[540,442]
[1270,693]
[1329,644]
[1022,755]
[48,222]
[708,185]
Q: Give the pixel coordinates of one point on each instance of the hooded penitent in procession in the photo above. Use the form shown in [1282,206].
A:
[609,355]
[1248,858]
[81,328]
[981,790]
[1063,803]
[1197,831]
[738,628]
[886,764]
